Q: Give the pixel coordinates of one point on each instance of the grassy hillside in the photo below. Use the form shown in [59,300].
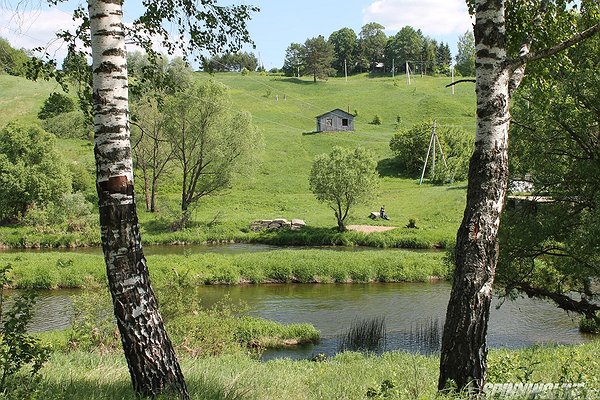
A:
[21,98]
[279,186]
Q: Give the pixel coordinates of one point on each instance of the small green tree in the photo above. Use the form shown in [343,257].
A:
[56,104]
[210,141]
[31,170]
[342,179]
[317,56]
[465,58]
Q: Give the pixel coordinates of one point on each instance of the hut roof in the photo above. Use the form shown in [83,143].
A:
[339,112]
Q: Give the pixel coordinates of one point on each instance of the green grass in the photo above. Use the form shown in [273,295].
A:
[279,186]
[73,270]
[79,375]
[22,99]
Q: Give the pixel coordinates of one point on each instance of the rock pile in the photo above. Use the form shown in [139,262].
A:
[276,224]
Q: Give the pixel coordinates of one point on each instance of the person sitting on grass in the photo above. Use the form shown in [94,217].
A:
[382,213]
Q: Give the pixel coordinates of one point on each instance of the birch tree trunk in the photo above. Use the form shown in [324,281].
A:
[464,348]
[150,356]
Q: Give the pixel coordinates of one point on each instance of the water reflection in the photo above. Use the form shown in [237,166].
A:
[333,307]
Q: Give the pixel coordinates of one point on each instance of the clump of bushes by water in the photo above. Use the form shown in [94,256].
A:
[367,335]
[590,325]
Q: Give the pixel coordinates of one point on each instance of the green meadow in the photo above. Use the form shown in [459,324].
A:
[284,110]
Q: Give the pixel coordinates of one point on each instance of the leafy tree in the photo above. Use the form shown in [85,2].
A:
[158,76]
[550,250]
[151,149]
[31,170]
[343,179]
[371,45]
[317,56]
[344,44]
[293,63]
[410,148]
[465,57]
[79,75]
[210,141]
[12,61]
[55,104]
[232,62]
[428,55]
[500,68]
[443,58]
[406,45]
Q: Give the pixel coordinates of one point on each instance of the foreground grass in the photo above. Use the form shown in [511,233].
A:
[78,375]
[75,270]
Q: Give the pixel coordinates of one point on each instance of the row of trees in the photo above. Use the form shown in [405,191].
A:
[372,50]
[12,61]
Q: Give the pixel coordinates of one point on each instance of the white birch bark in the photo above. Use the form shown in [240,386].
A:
[150,356]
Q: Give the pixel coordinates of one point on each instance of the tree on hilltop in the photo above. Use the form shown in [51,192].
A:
[317,56]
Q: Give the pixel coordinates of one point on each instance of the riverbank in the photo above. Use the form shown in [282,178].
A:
[78,375]
[23,237]
[54,270]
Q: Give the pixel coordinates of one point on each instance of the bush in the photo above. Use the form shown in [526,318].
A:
[410,149]
[81,179]
[72,213]
[376,120]
[17,348]
[69,125]
[55,104]
[31,170]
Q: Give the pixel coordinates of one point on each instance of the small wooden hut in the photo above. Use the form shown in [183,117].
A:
[335,121]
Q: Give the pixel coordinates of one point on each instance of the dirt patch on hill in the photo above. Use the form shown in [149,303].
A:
[370,228]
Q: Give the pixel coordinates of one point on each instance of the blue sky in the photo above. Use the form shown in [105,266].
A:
[278,24]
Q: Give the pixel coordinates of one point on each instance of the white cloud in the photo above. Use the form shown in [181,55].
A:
[433,17]
[33,28]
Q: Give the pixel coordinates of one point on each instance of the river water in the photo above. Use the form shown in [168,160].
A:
[332,308]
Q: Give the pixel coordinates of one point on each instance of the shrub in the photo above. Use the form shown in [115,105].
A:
[81,179]
[55,104]
[376,120]
[410,149]
[72,213]
[17,348]
[69,125]
[31,170]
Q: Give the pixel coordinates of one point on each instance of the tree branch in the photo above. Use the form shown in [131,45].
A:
[461,81]
[550,51]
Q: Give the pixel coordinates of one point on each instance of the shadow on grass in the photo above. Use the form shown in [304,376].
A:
[298,81]
[310,133]
[199,387]
[388,167]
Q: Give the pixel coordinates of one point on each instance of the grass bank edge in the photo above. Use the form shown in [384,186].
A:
[54,270]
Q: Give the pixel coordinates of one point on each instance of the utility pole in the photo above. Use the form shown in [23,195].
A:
[452,69]
[407,73]
[432,143]
[346,70]
[393,67]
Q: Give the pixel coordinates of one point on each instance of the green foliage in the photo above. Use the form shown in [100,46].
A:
[345,45]
[12,61]
[211,143]
[293,63]
[31,171]
[342,179]
[69,125]
[465,58]
[236,62]
[550,250]
[317,56]
[55,104]
[18,349]
[410,148]
[376,120]
[71,213]
[371,45]
[92,325]
[589,325]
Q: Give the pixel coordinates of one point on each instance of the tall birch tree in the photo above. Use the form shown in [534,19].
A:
[498,74]
[199,25]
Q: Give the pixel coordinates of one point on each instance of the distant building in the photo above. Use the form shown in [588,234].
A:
[335,121]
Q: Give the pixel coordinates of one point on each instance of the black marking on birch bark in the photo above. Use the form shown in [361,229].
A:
[107,67]
[107,129]
[106,32]
[118,2]
[98,15]
[114,52]
[111,111]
